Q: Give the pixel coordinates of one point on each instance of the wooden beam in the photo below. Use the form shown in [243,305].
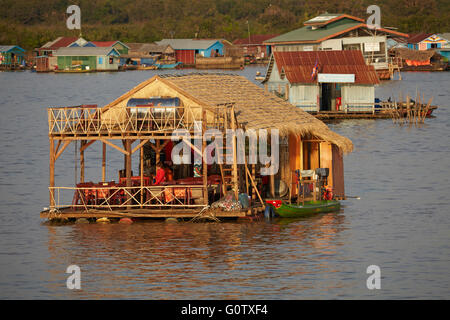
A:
[83,142]
[141,168]
[114,146]
[143,142]
[103,162]
[57,147]
[205,166]
[52,173]
[86,145]
[66,144]
[128,165]
[235,173]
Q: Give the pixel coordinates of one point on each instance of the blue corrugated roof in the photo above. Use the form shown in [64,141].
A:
[10,48]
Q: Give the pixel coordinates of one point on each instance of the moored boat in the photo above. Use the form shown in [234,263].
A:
[285,210]
[168,66]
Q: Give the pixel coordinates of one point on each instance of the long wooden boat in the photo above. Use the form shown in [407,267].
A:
[168,66]
[285,210]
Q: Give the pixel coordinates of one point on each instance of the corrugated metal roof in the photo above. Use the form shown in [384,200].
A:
[149,47]
[298,65]
[256,39]
[418,37]
[107,43]
[85,51]
[326,18]
[188,44]
[60,42]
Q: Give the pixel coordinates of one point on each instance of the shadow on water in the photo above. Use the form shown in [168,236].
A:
[161,260]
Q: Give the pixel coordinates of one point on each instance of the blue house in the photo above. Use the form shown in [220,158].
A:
[11,56]
[425,41]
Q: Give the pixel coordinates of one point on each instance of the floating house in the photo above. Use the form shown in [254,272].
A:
[187,50]
[254,46]
[61,42]
[87,59]
[328,32]
[425,41]
[444,50]
[11,57]
[179,108]
[420,60]
[148,54]
[323,81]
[121,47]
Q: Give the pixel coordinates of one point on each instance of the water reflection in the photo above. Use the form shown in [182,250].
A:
[161,260]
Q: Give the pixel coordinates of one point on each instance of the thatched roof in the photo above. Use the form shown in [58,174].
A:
[409,54]
[255,108]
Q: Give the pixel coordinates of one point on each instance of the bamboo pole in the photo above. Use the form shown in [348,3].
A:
[128,165]
[103,162]
[141,169]
[52,173]
[83,142]
[235,173]
[205,165]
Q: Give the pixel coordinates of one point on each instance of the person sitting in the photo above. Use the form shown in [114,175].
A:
[169,172]
[160,174]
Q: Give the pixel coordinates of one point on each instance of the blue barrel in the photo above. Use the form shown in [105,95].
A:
[163,102]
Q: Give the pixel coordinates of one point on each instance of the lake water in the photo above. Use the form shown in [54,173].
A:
[401,222]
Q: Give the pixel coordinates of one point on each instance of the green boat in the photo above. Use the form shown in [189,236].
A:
[284,210]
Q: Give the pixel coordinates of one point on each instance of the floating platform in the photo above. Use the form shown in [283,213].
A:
[337,115]
[70,213]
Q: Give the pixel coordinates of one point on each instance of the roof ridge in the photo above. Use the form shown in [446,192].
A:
[178,75]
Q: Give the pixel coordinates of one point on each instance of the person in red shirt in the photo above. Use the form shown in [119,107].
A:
[160,174]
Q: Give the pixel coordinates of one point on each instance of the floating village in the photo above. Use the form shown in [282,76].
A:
[328,69]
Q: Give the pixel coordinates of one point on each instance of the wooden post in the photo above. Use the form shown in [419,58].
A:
[52,173]
[83,142]
[272,185]
[128,165]
[235,173]
[141,169]
[204,160]
[103,162]
[253,177]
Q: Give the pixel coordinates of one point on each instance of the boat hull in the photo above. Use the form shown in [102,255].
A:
[308,208]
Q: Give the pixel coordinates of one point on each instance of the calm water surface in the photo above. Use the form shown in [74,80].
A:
[401,223]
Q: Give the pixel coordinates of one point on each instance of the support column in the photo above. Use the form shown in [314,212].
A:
[83,142]
[103,162]
[128,165]
[141,171]
[205,165]
[235,173]
[52,173]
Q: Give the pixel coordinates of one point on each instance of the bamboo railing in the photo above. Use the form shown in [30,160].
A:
[118,197]
[89,120]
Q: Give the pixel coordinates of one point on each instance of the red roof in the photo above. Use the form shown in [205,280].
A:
[298,65]
[418,37]
[62,43]
[104,43]
[256,39]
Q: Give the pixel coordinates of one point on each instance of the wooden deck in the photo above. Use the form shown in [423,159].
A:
[69,213]
[337,115]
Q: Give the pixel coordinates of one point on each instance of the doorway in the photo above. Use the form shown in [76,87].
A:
[325,101]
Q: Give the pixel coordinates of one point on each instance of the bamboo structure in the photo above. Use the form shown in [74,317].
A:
[411,112]
[218,101]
